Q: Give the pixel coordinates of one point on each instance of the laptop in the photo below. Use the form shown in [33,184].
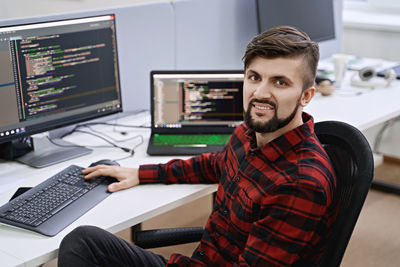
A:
[194,112]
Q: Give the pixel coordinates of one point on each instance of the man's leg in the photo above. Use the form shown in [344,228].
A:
[92,246]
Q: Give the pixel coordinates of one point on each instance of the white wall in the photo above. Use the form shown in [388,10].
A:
[145,39]
[214,33]
[11,9]
[378,43]
[369,32]
[163,34]
[372,43]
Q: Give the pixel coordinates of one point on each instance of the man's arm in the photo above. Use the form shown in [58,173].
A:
[205,168]
[293,219]
[201,169]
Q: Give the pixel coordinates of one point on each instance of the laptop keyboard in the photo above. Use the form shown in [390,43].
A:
[190,140]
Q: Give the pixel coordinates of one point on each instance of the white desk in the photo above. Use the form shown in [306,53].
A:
[363,111]
[143,202]
[8,260]
[119,211]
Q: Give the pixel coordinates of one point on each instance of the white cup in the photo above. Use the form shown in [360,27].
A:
[339,67]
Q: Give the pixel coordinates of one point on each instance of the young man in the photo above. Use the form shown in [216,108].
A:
[275,200]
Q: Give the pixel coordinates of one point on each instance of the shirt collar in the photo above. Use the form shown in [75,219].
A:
[279,146]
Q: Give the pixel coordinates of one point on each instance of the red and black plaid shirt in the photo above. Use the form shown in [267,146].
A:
[274,204]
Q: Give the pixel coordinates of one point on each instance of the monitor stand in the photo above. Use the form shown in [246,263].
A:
[47,153]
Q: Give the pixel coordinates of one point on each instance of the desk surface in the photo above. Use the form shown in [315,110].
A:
[8,260]
[135,205]
[362,108]
[24,248]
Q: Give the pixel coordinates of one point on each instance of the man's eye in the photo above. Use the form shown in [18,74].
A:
[253,77]
[280,82]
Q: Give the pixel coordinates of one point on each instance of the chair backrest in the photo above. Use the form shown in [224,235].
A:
[353,164]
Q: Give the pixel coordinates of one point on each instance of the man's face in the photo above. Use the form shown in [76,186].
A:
[272,92]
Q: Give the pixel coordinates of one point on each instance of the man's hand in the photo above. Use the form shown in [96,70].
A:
[127,177]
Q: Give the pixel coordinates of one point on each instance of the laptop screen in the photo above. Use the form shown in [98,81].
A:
[196,100]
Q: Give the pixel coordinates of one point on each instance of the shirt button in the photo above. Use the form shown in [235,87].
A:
[225,211]
[252,153]
[237,179]
[217,234]
[202,253]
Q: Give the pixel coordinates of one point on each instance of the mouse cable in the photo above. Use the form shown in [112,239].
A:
[123,140]
[116,140]
[73,145]
[106,140]
[133,149]
[115,124]
[125,149]
[102,123]
[110,137]
[104,136]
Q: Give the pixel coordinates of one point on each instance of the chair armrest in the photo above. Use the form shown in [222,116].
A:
[167,237]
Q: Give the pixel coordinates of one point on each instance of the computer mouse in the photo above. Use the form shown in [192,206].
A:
[105,162]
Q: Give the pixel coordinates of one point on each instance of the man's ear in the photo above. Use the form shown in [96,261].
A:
[307,95]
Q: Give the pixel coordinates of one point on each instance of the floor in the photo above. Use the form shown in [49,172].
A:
[375,240]
[376,237]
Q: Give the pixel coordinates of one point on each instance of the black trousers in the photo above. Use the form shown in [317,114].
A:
[91,246]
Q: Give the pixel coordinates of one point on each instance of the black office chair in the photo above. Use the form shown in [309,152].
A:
[352,160]
[353,163]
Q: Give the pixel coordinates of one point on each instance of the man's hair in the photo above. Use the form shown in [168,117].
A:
[287,42]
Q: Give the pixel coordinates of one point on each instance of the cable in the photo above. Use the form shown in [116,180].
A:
[133,149]
[101,135]
[101,123]
[73,145]
[60,145]
[104,139]
[109,137]
[115,124]
[379,136]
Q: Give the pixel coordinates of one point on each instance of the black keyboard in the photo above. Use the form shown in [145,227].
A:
[55,203]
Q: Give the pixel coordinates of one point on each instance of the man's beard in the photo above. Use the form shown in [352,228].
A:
[271,125]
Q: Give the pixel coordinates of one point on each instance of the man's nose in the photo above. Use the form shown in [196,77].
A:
[262,91]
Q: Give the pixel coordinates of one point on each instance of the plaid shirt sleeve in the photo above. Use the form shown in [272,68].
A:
[203,169]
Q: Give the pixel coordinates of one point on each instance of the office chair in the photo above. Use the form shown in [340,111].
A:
[352,161]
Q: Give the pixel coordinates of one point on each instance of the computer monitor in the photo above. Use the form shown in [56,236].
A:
[54,74]
[315,17]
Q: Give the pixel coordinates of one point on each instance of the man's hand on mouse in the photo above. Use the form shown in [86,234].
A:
[127,177]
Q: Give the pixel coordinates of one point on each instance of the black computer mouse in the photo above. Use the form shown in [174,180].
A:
[105,162]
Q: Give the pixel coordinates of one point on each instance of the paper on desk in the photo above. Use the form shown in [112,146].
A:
[355,63]
[358,63]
